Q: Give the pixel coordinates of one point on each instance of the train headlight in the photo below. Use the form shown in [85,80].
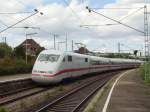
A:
[35,71]
[50,72]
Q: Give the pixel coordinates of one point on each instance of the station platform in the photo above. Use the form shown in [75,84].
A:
[14,77]
[130,94]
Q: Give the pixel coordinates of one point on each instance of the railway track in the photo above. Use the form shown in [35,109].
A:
[73,100]
[20,95]
[11,91]
[89,86]
[15,86]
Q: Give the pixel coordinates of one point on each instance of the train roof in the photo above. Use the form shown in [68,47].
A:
[88,56]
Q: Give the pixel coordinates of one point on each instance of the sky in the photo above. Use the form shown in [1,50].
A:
[65,18]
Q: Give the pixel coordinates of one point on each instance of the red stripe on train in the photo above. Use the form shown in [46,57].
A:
[69,70]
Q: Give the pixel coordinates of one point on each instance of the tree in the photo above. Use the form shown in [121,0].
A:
[19,52]
[5,50]
[135,52]
[39,50]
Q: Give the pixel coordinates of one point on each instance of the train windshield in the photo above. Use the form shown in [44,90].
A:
[48,57]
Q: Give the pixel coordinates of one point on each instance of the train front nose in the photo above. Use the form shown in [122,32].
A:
[44,79]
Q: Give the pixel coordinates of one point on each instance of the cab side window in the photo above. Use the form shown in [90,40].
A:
[69,58]
[86,59]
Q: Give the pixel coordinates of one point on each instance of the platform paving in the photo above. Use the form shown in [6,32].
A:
[14,77]
[130,95]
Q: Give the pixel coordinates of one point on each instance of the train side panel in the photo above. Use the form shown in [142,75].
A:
[74,65]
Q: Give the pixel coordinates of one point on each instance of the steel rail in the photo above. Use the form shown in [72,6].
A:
[10,100]
[15,86]
[90,95]
[85,86]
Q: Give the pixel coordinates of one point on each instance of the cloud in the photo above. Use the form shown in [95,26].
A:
[60,19]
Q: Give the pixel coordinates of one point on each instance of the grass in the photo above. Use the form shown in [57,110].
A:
[3,109]
[145,72]
[147,93]
[60,88]
[93,104]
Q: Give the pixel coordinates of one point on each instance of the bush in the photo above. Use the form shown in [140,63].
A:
[5,50]
[19,52]
[14,66]
[145,72]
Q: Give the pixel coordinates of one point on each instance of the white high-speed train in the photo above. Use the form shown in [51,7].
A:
[53,66]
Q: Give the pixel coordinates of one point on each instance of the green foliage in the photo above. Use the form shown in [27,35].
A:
[13,61]
[19,52]
[135,52]
[118,55]
[39,50]
[5,50]
[61,88]
[145,72]
[15,66]
[147,93]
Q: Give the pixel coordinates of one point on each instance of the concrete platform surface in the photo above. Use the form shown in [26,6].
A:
[130,95]
[14,77]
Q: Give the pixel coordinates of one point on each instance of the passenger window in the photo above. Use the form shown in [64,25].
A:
[86,59]
[69,58]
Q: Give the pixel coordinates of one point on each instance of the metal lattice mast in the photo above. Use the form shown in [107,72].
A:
[147,42]
[146,32]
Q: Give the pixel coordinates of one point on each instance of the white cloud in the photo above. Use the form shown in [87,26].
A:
[61,19]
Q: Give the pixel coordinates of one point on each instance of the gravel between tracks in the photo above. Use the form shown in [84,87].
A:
[30,102]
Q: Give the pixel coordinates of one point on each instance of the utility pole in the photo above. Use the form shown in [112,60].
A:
[72,45]
[55,41]
[66,41]
[61,43]
[58,46]
[26,50]
[27,34]
[146,41]
[119,47]
[4,40]
[146,33]
[55,36]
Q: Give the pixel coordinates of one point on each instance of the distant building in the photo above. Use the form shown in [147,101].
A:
[82,50]
[31,46]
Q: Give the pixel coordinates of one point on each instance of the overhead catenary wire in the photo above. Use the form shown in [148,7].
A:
[90,10]
[3,23]
[77,16]
[5,13]
[20,2]
[121,8]
[13,13]
[94,25]
[36,11]
[129,15]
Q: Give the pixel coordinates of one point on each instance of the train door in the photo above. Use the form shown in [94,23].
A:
[86,65]
[76,65]
[69,65]
[63,67]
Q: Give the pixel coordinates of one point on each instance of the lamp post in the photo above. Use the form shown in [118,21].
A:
[55,35]
[28,34]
